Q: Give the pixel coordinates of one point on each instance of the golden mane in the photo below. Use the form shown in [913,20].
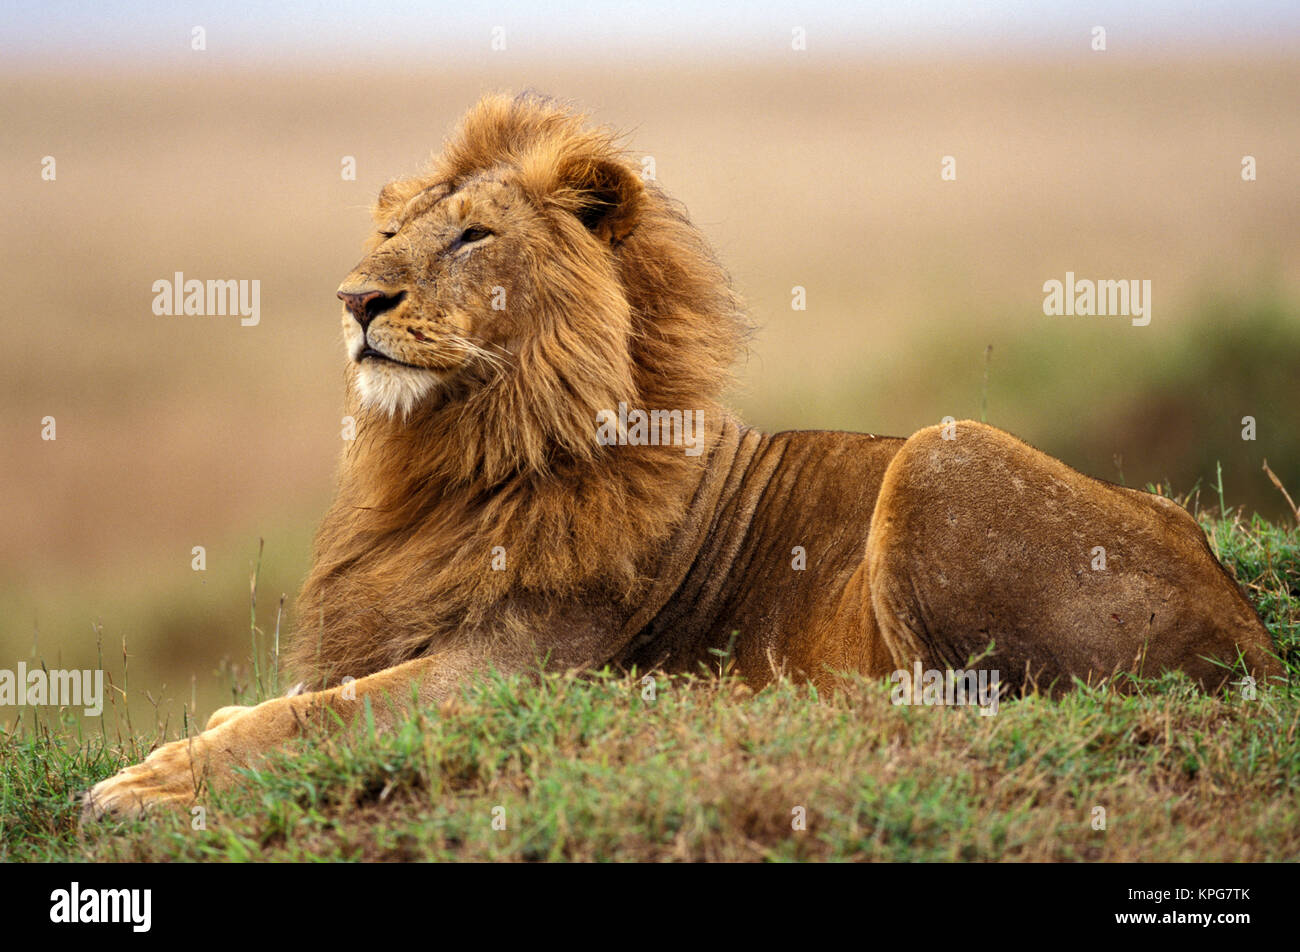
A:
[648,318]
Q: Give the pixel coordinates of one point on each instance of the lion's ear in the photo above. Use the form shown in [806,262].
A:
[607,196]
[392,197]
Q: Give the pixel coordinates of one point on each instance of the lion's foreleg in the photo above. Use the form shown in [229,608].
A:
[176,773]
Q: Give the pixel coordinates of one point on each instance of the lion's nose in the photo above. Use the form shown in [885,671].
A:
[365,306]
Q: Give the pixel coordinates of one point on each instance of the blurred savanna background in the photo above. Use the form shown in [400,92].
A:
[807,141]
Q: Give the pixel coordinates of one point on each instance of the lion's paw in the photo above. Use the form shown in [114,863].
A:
[168,778]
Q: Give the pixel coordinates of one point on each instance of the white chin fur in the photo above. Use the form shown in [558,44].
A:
[391,389]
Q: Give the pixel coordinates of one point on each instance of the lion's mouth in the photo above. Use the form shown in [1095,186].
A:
[369,353]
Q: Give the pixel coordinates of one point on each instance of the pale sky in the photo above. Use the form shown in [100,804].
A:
[54,32]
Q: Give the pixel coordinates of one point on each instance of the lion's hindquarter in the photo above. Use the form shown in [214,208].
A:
[980,539]
[789,531]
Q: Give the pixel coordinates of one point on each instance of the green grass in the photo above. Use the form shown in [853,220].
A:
[586,769]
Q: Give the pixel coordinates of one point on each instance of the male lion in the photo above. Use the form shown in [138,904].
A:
[523,310]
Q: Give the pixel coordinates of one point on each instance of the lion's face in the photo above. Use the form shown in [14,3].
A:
[523,286]
[437,300]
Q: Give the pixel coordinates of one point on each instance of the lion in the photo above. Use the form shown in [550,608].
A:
[544,476]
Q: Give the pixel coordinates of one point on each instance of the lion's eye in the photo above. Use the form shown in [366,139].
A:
[473,233]
[387,234]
